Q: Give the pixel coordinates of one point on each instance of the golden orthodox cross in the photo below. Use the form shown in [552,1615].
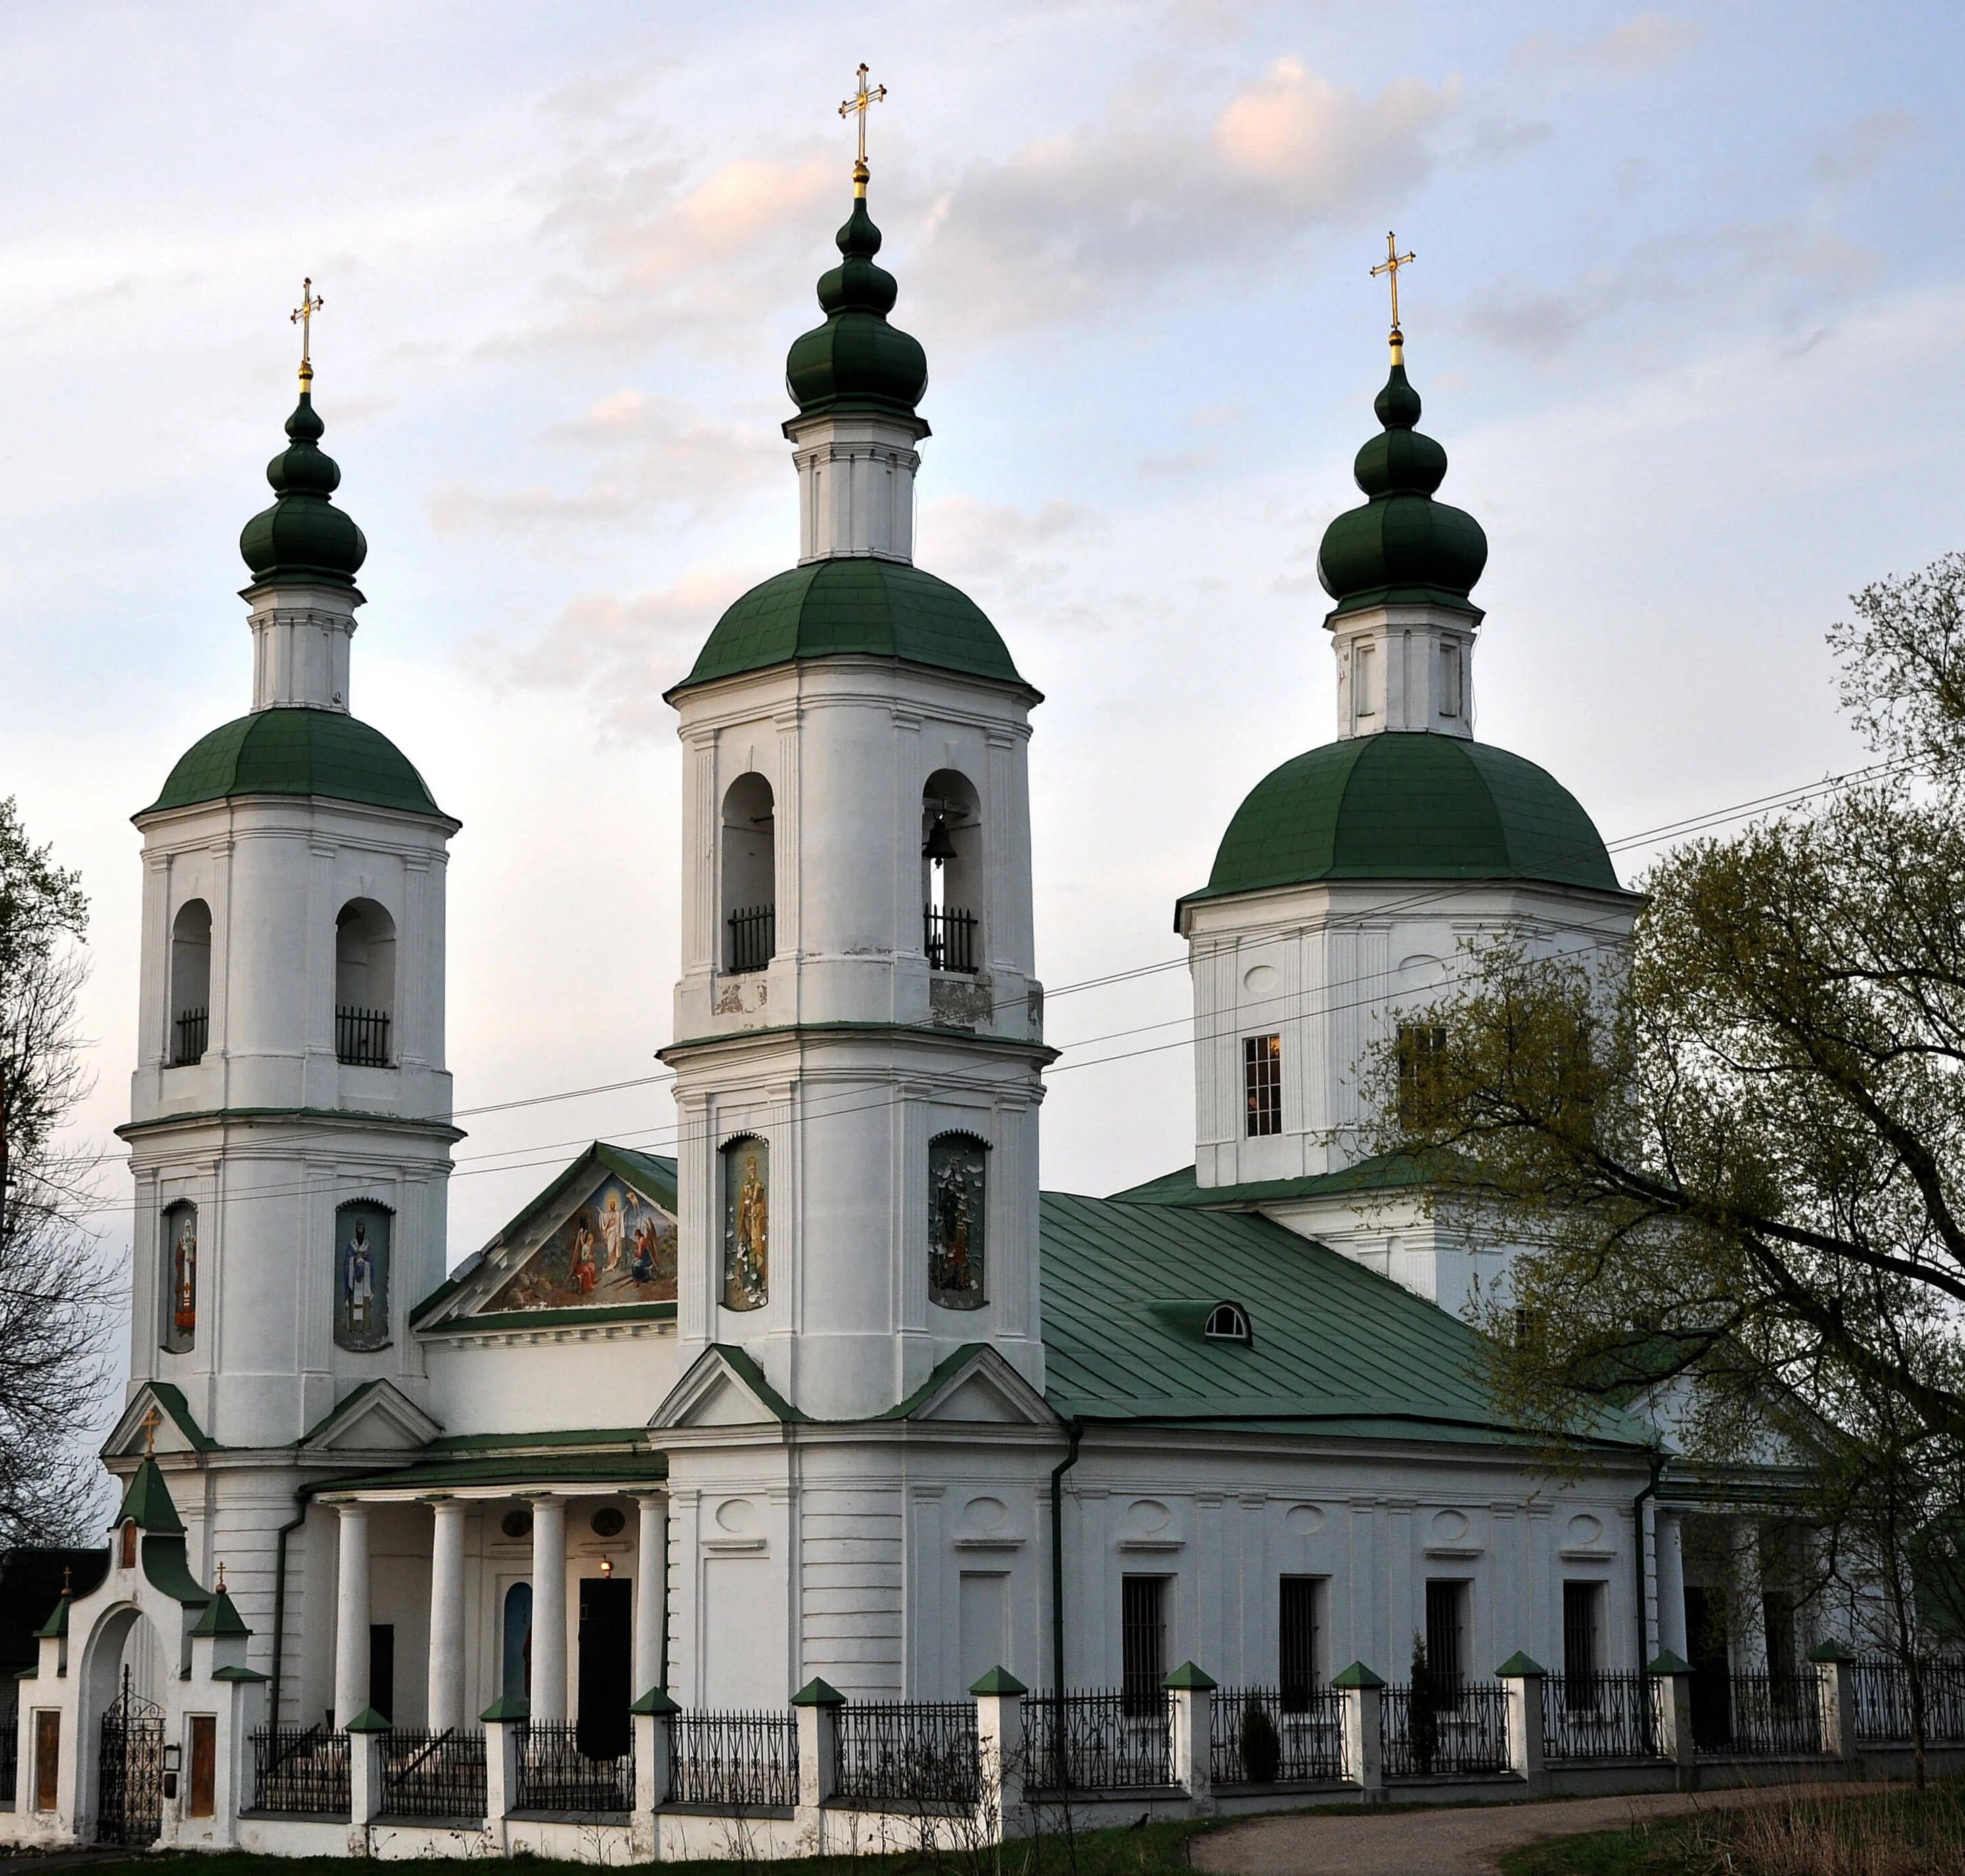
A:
[302,315]
[149,1423]
[862,101]
[1391,265]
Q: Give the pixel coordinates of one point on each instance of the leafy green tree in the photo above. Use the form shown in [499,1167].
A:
[55,1292]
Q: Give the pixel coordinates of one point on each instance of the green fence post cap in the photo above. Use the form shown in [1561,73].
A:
[1187,1676]
[655,1700]
[505,1709]
[1665,1661]
[1831,1650]
[1000,1681]
[1519,1666]
[367,1721]
[1357,1675]
[818,1693]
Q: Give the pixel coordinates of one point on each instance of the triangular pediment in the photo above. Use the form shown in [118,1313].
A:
[602,1235]
[376,1418]
[976,1384]
[724,1387]
[158,1418]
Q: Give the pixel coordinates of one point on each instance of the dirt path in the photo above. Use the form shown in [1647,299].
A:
[1462,1841]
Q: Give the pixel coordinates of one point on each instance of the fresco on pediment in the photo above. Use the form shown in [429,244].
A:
[616,1246]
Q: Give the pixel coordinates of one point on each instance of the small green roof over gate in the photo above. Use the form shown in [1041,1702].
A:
[834,608]
[1409,805]
[294,751]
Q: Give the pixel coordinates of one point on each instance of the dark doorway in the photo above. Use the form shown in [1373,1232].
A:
[1712,1670]
[606,1659]
[382,1668]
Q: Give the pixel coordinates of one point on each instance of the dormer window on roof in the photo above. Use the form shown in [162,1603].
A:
[1228,1322]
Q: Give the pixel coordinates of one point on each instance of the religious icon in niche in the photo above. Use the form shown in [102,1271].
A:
[746,1223]
[617,1246]
[955,1219]
[362,1246]
[180,1262]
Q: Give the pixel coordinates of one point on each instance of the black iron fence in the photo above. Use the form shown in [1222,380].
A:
[749,1761]
[10,1749]
[362,1037]
[949,939]
[301,1769]
[1767,1716]
[1885,1694]
[1428,1732]
[193,1031]
[753,937]
[1599,1716]
[1108,1741]
[1261,1738]
[433,1774]
[908,1752]
[555,1775]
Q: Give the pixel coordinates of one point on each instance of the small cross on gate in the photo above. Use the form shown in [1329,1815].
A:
[1391,265]
[302,315]
[150,1422]
[862,101]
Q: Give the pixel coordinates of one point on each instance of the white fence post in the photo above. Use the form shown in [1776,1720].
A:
[1364,1699]
[1522,1677]
[999,1747]
[1673,1675]
[1835,1680]
[654,1748]
[816,1706]
[365,1732]
[504,1740]
[1193,1691]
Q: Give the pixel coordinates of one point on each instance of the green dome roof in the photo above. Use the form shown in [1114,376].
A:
[856,361]
[303,535]
[1402,546]
[875,608]
[293,750]
[1409,805]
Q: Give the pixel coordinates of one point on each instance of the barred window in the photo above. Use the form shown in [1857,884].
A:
[1141,1641]
[1263,1084]
[1420,1046]
[1448,1610]
[1582,1641]
[1299,1646]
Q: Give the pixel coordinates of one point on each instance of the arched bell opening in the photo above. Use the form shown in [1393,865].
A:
[365,984]
[190,982]
[952,875]
[749,874]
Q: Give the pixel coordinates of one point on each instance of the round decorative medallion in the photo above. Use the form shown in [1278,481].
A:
[609,1521]
[516,1523]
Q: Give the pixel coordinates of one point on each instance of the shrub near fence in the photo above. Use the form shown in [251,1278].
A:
[908,1752]
[1259,1739]
[433,1774]
[303,1769]
[1103,1741]
[555,1775]
[1599,1716]
[1882,1701]
[739,1761]
[1443,1735]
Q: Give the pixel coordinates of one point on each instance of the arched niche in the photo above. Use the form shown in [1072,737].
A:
[958,1219]
[364,984]
[364,1253]
[177,1261]
[745,1180]
[748,874]
[952,872]
[190,982]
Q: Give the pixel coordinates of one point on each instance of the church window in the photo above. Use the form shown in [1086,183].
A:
[1582,1642]
[1449,1608]
[1299,1640]
[957,1220]
[1364,682]
[1420,1048]
[190,982]
[1227,1322]
[516,1679]
[747,1212]
[1450,685]
[1142,1642]
[179,1262]
[1263,1084]
[363,1230]
[126,1556]
[364,984]
[952,888]
[750,892]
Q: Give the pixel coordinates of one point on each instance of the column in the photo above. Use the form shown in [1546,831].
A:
[1748,1640]
[651,1570]
[350,1615]
[446,1615]
[1669,1545]
[549,1701]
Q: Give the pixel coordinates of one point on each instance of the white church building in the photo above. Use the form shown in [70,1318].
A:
[879,1409]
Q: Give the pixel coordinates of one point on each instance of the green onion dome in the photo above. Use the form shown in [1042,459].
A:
[303,536]
[856,362]
[1401,546]
[294,750]
[847,606]
[1405,805]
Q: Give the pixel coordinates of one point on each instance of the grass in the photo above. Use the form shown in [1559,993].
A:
[1896,1832]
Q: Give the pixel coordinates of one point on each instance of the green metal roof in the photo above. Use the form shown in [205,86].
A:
[856,361]
[1380,1172]
[1408,805]
[1334,1344]
[540,1468]
[294,751]
[835,608]
[146,1500]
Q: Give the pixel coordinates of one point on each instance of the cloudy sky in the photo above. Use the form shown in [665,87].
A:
[1688,315]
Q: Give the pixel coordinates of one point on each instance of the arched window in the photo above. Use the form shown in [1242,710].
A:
[747,1222]
[750,886]
[1228,1322]
[952,890]
[363,1231]
[516,1681]
[190,982]
[957,1220]
[178,1262]
[364,984]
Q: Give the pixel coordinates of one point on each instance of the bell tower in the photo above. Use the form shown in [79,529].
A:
[290,1128]
[859,1021]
